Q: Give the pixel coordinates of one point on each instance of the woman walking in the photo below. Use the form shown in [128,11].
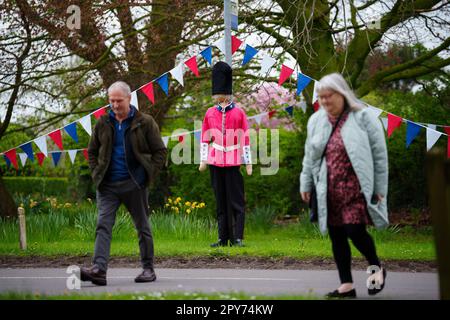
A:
[346,161]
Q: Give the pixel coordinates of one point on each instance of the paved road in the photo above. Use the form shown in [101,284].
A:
[399,285]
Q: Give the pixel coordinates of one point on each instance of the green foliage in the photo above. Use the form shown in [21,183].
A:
[407,166]
[44,185]
[261,219]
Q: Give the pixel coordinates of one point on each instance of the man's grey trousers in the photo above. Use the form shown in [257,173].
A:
[110,195]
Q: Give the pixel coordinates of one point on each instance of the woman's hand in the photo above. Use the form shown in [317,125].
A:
[306,196]
[379,197]
[202,166]
[249,169]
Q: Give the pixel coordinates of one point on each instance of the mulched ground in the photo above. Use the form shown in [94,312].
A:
[212,262]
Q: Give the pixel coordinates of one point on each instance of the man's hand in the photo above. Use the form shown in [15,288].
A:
[249,169]
[202,166]
[306,196]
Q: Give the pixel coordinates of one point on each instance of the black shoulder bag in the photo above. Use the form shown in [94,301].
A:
[313,210]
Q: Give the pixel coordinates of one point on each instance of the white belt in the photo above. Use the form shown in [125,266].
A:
[225,149]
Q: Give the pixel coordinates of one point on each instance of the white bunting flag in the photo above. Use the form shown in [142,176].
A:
[220,44]
[267,63]
[165,140]
[258,119]
[303,106]
[177,73]
[315,96]
[375,111]
[432,138]
[72,154]
[384,120]
[431,126]
[41,142]
[23,158]
[134,99]
[86,124]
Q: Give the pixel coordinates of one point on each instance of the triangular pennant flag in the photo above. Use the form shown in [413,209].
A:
[207,54]
[431,126]
[57,138]
[197,135]
[55,157]
[85,154]
[71,130]
[177,74]
[272,113]
[181,138]
[384,121]
[23,158]
[192,64]
[375,111]
[134,99]
[235,44]
[303,106]
[148,90]
[165,140]
[290,110]
[40,156]
[432,137]
[8,163]
[220,44]
[447,131]
[249,53]
[412,130]
[72,155]
[267,63]
[315,99]
[28,149]
[163,82]
[41,142]
[99,112]
[393,123]
[284,74]
[302,82]
[258,118]
[86,124]
[12,157]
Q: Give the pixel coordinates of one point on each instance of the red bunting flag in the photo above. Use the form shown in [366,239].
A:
[148,90]
[393,123]
[272,113]
[447,131]
[98,113]
[85,154]
[181,138]
[316,106]
[57,138]
[285,74]
[235,44]
[192,64]
[12,156]
[40,156]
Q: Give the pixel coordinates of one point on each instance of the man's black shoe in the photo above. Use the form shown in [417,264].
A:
[237,243]
[147,275]
[93,274]
[220,243]
[338,295]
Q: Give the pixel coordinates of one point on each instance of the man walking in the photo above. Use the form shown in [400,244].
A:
[125,154]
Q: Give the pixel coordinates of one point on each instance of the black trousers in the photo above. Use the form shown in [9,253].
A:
[109,197]
[341,249]
[228,186]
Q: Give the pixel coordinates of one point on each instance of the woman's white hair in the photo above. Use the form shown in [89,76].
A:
[122,86]
[336,82]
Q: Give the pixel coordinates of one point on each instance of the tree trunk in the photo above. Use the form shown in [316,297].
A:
[8,207]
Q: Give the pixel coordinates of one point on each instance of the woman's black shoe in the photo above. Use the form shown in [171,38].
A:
[341,295]
[375,290]
[220,243]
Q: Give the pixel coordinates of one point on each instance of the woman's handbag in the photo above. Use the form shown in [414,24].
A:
[313,206]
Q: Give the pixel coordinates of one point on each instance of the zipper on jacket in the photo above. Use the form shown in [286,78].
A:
[126,158]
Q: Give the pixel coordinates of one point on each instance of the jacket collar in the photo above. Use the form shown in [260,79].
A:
[227,108]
